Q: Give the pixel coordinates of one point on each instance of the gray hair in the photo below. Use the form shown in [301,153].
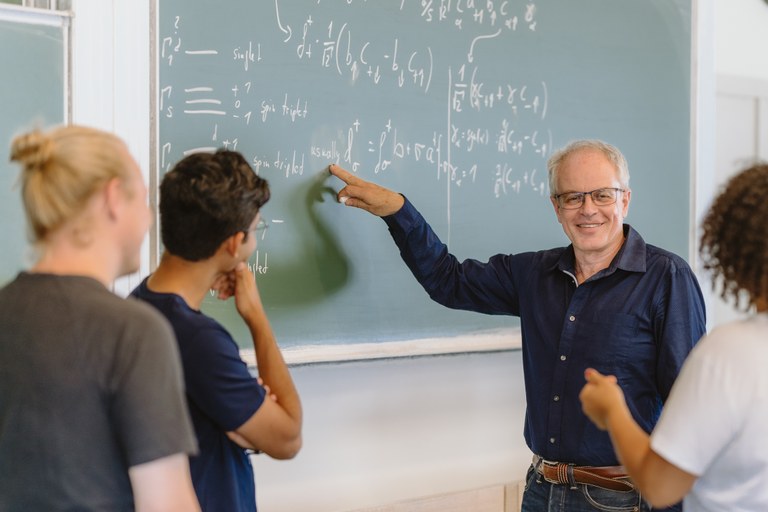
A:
[612,153]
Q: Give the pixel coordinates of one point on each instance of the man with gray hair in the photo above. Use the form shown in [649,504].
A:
[608,301]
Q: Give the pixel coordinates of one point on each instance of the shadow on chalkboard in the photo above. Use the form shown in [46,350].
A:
[319,265]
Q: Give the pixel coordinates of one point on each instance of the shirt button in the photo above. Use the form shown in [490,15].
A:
[556,398]
[572,318]
[551,440]
[563,358]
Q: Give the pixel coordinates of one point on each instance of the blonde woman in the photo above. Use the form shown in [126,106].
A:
[92,412]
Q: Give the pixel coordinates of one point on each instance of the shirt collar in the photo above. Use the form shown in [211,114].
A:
[631,256]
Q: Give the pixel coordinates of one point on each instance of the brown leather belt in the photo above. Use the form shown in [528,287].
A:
[614,478]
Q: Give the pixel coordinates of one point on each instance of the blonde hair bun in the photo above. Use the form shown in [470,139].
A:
[61,169]
[32,150]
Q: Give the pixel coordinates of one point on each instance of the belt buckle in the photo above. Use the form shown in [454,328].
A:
[538,460]
[563,471]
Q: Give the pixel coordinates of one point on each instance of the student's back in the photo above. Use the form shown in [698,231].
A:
[723,389]
[221,395]
[92,413]
[79,368]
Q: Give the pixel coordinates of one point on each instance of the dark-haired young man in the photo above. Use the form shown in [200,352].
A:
[209,215]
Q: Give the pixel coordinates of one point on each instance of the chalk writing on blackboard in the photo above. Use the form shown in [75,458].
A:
[455,103]
[481,114]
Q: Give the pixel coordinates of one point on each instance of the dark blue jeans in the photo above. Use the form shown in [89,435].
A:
[542,496]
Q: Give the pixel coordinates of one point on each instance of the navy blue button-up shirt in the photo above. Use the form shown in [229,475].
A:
[636,319]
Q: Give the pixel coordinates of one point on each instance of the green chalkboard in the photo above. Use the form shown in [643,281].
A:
[455,104]
[33,92]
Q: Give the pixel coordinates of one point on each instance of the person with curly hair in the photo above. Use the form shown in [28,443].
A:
[709,444]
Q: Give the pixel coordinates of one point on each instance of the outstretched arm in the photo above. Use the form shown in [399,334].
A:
[366,195]
[470,285]
[660,482]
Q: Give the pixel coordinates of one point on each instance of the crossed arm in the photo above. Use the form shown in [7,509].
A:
[275,428]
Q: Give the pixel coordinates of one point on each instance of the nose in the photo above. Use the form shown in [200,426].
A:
[588,206]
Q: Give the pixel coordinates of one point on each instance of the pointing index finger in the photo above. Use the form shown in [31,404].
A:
[345,176]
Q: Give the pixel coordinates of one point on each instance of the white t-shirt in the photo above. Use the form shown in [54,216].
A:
[715,422]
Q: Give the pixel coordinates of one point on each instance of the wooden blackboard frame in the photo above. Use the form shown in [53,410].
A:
[490,341]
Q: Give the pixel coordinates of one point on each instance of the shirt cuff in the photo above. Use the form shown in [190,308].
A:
[403,220]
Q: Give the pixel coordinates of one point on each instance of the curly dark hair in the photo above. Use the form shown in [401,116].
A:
[734,241]
[205,199]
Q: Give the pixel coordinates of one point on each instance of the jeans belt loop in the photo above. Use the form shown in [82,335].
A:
[571,479]
[537,462]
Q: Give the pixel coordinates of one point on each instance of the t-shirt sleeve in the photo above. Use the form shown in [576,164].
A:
[147,390]
[703,413]
[218,380]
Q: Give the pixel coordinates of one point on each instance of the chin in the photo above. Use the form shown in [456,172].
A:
[129,268]
[590,243]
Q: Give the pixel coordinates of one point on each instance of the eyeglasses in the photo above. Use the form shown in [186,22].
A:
[600,196]
[261,227]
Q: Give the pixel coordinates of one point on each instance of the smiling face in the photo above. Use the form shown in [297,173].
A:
[594,231]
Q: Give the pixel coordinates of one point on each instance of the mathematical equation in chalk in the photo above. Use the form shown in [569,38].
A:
[313,80]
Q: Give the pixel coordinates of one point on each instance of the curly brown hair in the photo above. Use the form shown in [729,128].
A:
[734,241]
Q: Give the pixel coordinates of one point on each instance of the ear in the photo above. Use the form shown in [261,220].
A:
[625,198]
[113,198]
[232,244]
[557,210]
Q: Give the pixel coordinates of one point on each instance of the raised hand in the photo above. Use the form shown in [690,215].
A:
[224,286]
[600,397]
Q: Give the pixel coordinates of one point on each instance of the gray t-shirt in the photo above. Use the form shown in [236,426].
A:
[90,385]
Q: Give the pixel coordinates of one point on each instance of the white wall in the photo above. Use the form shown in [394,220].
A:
[110,54]
[741,128]
[741,41]
[384,431]
[380,432]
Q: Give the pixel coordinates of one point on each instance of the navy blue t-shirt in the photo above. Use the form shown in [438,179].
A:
[221,394]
